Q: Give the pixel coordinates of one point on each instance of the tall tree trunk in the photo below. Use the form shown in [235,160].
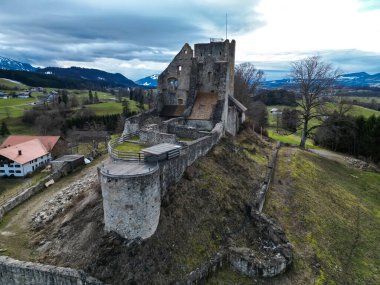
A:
[304,135]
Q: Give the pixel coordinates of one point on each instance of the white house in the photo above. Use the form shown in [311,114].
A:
[23,158]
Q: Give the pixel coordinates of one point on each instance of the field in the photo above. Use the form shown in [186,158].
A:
[331,214]
[10,84]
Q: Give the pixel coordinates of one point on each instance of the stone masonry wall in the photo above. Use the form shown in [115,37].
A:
[15,272]
[172,170]
[131,203]
[148,137]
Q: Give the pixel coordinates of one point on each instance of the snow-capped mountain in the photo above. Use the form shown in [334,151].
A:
[359,79]
[149,81]
[10,64]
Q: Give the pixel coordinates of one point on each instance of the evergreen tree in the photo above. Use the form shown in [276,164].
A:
[96,98]
[90,97]
[4,131]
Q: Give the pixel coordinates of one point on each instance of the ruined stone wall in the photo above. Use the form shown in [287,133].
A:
[131,203]
[216,70]
[232,125]
[185,132]
[15,272]
[174,81]
[201,124]
[149,137]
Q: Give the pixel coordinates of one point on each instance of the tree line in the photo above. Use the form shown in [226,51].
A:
[357,136]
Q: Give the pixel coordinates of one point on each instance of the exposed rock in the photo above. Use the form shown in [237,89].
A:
[62,200]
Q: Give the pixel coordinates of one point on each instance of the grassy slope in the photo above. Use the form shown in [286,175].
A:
[331,214]
[11,84]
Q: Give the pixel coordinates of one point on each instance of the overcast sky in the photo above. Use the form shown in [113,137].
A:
[139,38]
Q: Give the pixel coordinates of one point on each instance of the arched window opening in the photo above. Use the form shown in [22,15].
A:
[172,84]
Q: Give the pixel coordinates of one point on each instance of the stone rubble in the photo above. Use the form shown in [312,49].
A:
[61,200]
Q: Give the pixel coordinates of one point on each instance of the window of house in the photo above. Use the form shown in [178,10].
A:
[11,171]
[185,51]
[179,68]
[209,76]
[18,171]
[18,166]
[180,101]
[2,171]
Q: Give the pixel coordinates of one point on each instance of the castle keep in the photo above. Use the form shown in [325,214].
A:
[199,86]
[195,106]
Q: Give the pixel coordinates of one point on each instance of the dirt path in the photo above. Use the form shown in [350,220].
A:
[15,226]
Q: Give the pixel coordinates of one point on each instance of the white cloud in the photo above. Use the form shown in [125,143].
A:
[132,69]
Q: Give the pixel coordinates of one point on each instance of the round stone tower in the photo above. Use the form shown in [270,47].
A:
[131,198]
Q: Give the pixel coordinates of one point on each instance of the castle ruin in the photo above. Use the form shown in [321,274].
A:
[195,107]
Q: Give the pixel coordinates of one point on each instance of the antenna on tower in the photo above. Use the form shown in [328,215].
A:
[226,26]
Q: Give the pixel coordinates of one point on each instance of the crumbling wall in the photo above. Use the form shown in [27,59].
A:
[232,125]
[149,137]
[185,132]
[174,81]
[15,272]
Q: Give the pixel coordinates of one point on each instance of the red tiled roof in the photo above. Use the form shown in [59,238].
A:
[48,141]
[30,150]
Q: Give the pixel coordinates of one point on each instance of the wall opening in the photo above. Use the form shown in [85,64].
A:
[209,75]
[172,84]
[180,101]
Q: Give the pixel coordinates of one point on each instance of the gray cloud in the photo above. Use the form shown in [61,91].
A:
[348,61]
[44,31]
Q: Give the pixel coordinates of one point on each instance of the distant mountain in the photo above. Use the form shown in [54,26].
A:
[10,64]
[149,81]
[99,77]
[361,79]
[354,80]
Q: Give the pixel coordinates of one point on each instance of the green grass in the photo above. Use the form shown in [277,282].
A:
[331,215]
[10,84]
[14,107]
[12,186]
[107,108]
[356,98]
[293,139]
[355,110]
[129,147]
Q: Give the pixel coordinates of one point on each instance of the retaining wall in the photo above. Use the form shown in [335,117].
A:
[15,272]
[29,192]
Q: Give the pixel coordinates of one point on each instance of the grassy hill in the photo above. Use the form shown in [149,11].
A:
[331,214]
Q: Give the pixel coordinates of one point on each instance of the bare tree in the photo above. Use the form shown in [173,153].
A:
[247,80]
[313,78]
